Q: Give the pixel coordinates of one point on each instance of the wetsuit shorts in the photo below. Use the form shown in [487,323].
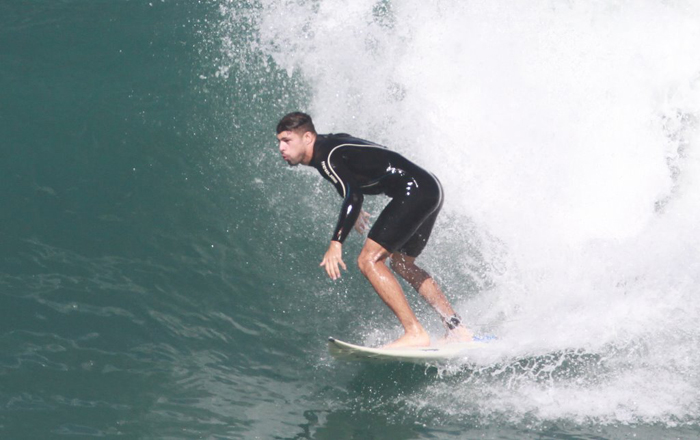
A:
[405,224]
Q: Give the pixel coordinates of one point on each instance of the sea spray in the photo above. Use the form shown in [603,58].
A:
[565,134]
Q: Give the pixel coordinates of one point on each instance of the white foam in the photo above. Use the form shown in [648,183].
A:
[565,131]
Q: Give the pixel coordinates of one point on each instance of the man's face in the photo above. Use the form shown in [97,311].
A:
[292,147]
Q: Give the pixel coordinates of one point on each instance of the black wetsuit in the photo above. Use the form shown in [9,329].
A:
[357,167]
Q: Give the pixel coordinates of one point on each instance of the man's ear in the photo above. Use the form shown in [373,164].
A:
[308,137]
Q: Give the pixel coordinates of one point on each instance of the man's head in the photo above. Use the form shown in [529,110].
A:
[296,135]
[296,121]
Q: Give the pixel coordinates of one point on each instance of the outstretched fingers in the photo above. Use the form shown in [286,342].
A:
[333,261]
[333,268]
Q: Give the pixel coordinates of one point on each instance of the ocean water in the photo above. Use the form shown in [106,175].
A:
[159,270]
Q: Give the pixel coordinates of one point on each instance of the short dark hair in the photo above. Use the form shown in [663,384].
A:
[296,121]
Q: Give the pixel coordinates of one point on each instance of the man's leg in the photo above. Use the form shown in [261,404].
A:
[372,262]
[424,284]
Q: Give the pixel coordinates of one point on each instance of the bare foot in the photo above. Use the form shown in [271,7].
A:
[459,334]
[410,340]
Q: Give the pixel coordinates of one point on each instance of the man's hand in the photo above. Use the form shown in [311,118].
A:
[362,223]
[332,259]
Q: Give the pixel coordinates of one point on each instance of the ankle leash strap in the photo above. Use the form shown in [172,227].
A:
[453,322]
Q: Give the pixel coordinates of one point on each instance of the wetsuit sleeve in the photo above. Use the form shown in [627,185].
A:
[352,201]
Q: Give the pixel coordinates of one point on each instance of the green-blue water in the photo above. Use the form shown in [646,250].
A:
[159,262]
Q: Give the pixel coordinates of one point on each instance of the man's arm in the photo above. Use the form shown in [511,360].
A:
[333,259]
[349,213]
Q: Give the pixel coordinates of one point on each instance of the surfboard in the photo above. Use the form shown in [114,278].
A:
[419,355]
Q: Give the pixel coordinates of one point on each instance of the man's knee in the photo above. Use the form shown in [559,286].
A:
[371,254]
[366,261]
[363,263]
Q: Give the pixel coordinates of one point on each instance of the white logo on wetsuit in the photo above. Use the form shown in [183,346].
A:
[328,173]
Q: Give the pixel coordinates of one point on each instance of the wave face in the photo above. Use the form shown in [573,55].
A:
[159,276]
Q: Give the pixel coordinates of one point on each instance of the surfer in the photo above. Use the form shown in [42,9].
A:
[356,168]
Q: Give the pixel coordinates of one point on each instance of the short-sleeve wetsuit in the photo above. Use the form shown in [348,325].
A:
[357,167]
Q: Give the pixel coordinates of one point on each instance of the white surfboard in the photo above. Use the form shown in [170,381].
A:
[418,355]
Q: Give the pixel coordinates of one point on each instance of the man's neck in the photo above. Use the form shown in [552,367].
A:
[309,154]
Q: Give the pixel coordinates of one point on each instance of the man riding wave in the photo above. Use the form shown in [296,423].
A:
[357,168]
